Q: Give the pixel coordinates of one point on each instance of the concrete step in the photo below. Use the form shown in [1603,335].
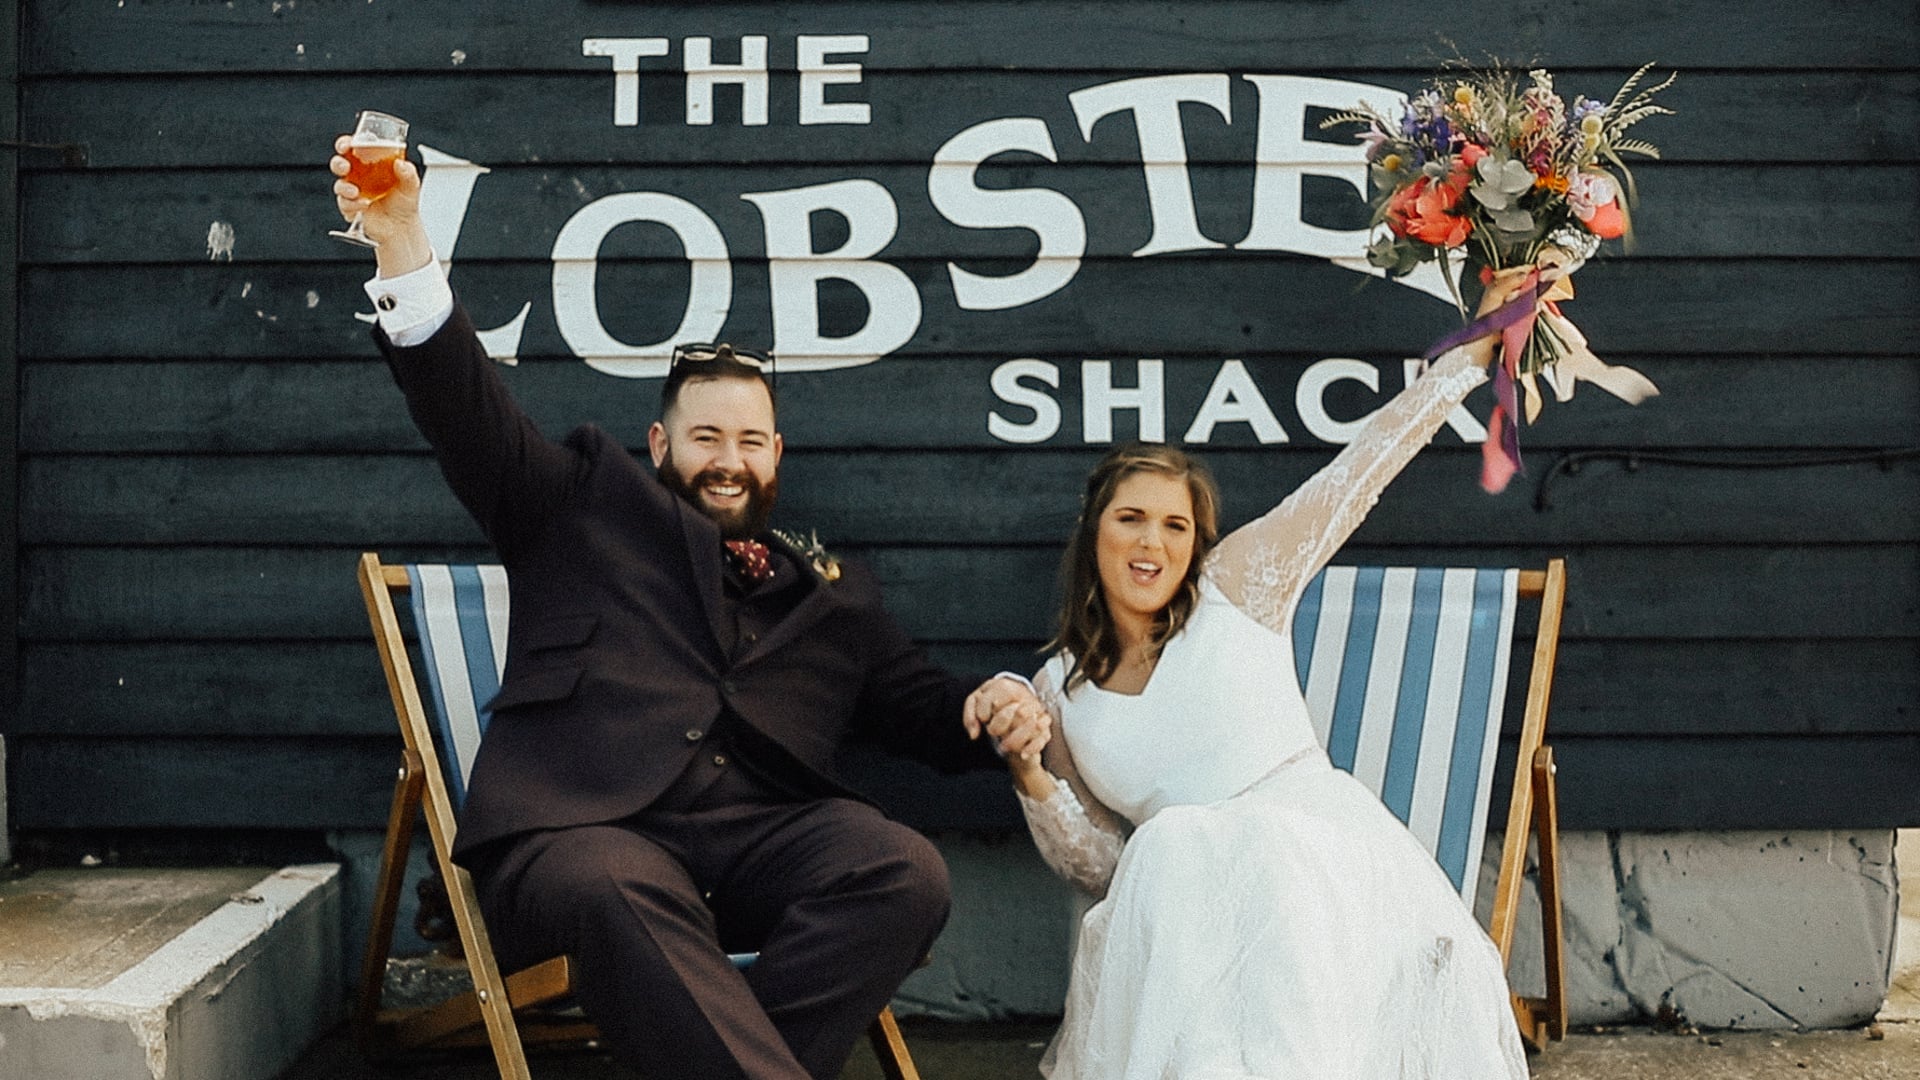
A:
[1903,992]
[167,974]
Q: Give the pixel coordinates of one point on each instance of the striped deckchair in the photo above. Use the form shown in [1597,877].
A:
[1405,675]
[459,614]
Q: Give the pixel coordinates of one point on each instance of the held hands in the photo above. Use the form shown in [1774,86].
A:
[1500,289]
[1008,711]
[1504,286]
[394,221]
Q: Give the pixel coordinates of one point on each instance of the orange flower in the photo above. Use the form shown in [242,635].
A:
[1420,210]
[1607,221]
[1424,210]
[1400,206]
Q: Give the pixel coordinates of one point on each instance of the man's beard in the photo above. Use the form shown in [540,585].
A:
[743,523]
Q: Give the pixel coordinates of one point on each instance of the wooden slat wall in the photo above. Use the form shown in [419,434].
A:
[201,441]
[9,375]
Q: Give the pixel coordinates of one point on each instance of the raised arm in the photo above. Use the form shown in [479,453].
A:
[495,459]
[1078,837]
[1263,565]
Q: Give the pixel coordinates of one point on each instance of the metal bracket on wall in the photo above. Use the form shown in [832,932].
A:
[1569,464]
[72,155]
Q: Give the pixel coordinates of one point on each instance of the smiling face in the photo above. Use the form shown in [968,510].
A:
[717,448]
[1144,547]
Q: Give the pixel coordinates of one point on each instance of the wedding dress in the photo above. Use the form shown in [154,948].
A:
[1264,914]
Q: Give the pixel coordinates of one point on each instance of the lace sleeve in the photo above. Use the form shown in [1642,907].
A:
[1263,566]
[1078,837]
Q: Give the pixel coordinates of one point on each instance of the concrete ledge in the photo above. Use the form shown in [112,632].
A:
[1764,930]
[237,994]
[1759,930]
[1723,930]
[1903,995]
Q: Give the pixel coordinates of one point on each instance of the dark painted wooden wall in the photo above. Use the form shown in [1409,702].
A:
[207,438]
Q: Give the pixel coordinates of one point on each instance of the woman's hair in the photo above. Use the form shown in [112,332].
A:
[1086,628]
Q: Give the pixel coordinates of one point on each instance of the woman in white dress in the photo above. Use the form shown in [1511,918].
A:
[1262,913]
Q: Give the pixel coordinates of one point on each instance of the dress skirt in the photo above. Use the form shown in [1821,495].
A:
[1294,930]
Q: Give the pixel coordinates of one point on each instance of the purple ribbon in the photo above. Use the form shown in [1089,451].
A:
[1493,322]
[1504,437]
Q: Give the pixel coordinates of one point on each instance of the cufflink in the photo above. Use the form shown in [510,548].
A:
[386,303]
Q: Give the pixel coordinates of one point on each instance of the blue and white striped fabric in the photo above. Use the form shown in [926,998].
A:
[1405,675]
[460,613]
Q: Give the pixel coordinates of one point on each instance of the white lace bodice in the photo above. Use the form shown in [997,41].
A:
[1223,707]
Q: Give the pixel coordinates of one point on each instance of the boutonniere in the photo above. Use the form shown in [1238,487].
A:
[812,550]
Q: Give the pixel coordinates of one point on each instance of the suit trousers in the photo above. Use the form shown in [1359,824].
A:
[840,902]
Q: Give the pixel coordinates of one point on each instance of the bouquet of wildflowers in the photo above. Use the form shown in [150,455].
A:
[1485,172]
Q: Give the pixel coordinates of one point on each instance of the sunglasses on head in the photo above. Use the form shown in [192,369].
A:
[699,351]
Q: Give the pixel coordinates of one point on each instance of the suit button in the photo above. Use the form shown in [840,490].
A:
[719,759]
[694,734]
[728,686]
[752,637]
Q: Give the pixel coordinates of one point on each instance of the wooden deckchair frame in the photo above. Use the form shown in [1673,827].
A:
[501,1010]
[1533,808]
[1533,813]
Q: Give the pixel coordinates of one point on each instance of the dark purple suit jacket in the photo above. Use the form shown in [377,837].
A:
[615,669]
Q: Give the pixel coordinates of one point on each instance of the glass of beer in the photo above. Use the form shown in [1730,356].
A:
[379,142]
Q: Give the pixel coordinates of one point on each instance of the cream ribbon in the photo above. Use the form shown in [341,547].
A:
[1578,364]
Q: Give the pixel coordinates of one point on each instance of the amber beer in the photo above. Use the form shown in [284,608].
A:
[375,147]
[370,167]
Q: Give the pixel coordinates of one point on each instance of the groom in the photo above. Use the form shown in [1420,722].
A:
[657,786]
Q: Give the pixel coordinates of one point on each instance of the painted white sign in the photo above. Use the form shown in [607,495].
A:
[797,266]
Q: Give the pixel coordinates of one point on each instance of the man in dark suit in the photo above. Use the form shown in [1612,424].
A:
[657,785]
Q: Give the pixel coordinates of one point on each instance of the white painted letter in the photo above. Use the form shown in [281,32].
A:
[626,54]
[750,74]
[1050,215]
[1283,154]
[1459,419]
[1155,102]
[1008,388]
[1233,398]
[1099,401]
[794,273]
[1309,397]
[445,189]
[576,260]
[816,75]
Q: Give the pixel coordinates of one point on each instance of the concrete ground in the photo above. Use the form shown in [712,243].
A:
[1009,1051]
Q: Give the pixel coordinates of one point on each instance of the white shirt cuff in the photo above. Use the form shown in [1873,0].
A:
[1016,677]
[414,306]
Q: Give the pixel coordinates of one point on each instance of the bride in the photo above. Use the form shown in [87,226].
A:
[1263,914]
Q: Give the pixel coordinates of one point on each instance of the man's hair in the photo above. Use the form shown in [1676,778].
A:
[720,367]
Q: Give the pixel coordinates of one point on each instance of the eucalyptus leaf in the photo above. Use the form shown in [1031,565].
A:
[1396,257]
[1386,179]
[1499,183]
[1513,220]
